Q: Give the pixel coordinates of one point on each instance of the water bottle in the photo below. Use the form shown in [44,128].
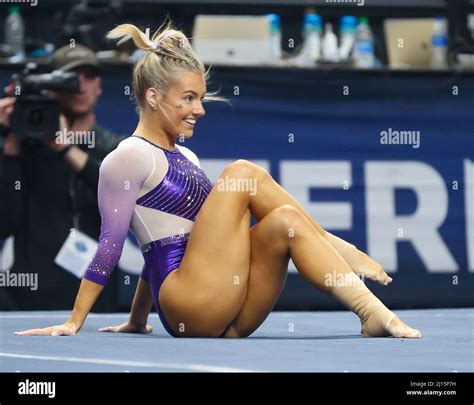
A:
[312,31]
[348,36]
[330,49]
[439,44]
[364,45]
[15,34]
[275,37]
[470,25]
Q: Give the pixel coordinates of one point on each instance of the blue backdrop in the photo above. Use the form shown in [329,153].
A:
[320,133]
[283,117]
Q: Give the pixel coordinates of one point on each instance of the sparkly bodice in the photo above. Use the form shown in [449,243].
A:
[154,192]
[182,191]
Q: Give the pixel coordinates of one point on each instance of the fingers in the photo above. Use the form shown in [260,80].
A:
[126,329]
[7,102]
[35,332]
[108,329]
[6,105]
[51,331]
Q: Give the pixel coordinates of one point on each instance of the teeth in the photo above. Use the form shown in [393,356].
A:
[190,121]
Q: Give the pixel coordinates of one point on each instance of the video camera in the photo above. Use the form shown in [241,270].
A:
[36,115]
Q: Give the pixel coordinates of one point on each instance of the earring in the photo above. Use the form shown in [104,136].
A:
[153,106]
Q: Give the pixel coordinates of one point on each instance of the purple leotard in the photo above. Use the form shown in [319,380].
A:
[156,192]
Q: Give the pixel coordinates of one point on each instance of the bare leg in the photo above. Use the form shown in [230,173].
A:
[286,233]
[271,196]
[203,294]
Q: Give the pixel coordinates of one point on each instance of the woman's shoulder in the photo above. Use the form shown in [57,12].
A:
[131,146]
[130,153]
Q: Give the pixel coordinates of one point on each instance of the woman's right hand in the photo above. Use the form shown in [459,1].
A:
[6,110]
[128,327]
[66,329]
[12,146]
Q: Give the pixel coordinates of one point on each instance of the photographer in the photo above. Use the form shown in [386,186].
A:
[48,189]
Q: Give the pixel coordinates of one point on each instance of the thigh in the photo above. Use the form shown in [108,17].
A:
[206,293]
[268,270]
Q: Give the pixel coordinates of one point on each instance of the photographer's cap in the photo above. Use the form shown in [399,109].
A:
[68,58]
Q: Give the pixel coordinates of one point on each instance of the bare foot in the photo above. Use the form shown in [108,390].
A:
[369,268]
[376,325]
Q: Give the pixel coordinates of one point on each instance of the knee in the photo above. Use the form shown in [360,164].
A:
[242,168]
[288,219]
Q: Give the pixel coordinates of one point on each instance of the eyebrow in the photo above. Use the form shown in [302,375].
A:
[196,94]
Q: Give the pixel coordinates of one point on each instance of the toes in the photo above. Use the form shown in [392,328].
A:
[387,281]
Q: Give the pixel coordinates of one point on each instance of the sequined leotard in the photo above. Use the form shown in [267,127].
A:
[158,194]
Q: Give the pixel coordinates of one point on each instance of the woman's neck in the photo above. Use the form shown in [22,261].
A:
[155,134]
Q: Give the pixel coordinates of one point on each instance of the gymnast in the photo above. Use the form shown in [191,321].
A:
[207,272]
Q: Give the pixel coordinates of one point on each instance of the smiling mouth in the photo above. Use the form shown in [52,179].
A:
[190,121]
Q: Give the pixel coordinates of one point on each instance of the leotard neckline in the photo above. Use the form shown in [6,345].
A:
[176,150]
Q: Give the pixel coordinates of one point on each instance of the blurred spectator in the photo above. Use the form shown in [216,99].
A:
[58,191]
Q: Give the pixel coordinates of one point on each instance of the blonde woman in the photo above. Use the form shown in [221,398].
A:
[206,271]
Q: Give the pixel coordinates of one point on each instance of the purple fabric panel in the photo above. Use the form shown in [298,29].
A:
[183,190]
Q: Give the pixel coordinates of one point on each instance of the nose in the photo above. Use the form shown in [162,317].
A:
[199,110]
[82,83]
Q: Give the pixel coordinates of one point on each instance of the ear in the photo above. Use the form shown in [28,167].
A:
[152,97]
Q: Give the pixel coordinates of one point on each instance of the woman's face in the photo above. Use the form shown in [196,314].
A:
[84,101]
[183,105]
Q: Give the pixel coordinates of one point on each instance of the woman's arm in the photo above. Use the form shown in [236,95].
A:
[88,294]
[86,297]
[141,307]
[121,176]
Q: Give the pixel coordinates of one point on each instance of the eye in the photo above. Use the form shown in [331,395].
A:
[189,98]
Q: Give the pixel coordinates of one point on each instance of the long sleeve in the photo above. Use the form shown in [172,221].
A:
[122,174]
[107,141]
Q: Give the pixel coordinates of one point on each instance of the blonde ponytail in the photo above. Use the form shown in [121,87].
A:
[170,53]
